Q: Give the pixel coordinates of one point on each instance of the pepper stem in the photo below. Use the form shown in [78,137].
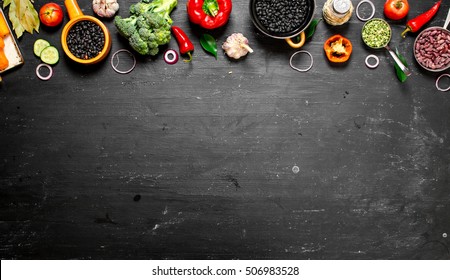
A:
[406,31]
[211,7]
[190,57]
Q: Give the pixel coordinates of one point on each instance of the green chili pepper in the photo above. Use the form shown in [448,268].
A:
[209,44]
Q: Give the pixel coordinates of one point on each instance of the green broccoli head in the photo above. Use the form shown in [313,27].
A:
[125,26]
[148,25]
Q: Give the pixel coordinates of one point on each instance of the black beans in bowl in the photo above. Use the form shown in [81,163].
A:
[85,39]
[432,49]
[282,18]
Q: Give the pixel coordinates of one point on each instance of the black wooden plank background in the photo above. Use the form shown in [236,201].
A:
[196,160]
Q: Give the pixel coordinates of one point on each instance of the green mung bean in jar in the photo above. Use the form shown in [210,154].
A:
[376,33]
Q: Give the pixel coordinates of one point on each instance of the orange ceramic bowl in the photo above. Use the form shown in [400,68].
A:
[76,15]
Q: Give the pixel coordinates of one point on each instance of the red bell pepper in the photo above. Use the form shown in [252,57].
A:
[209,14]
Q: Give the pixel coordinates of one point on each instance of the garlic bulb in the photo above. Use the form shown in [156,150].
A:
[105,8]
[236,46]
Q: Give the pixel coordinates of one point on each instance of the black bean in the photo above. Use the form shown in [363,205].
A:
[281,16]
[85,39]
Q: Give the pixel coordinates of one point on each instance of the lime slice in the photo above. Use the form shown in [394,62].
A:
[39,45]
[50,55]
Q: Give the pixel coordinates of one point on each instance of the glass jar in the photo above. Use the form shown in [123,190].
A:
[337,12]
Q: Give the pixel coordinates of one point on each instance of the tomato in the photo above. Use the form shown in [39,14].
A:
[51,14]
[396,9]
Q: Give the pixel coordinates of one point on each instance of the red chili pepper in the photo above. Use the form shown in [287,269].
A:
[209,14]
[186,46]
[415,24]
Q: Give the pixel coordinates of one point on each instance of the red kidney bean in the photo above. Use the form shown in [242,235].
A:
[432,49]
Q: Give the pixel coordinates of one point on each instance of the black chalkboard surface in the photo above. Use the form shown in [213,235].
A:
[224,159]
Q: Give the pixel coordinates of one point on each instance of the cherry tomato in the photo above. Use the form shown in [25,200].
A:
[51,14]
[396,9]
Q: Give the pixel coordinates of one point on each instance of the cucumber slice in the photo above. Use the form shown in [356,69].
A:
[39,45]
[50,55]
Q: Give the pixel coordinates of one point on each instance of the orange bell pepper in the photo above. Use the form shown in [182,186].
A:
[4,30]
[338,49]
[4,63]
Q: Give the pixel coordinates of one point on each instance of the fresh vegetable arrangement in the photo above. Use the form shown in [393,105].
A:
[23,16]
[209,14]
[148,25]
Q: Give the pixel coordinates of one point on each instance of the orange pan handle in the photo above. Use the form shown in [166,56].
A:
[73,9]
[299,44]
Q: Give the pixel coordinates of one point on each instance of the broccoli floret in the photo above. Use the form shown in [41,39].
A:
[155,20]
[147,35]
[153,51]
[161,7]
[162,36]
[125,26]
[138,44]
[148,25]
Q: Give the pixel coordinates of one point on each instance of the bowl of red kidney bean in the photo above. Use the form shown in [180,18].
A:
[432,49]
[283,19]
[84,39]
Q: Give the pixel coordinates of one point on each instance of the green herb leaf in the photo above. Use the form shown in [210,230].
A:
[309,32]
[209,44]
[23,16]
[400,74]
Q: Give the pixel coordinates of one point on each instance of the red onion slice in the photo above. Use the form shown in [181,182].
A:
[171,56]
[114,66]
[50,71]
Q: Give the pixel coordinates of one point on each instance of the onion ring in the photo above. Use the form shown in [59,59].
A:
[438,80]
[375,65]
[115,66]
[38,74]
[298,69]
[359,5]
[173,53]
